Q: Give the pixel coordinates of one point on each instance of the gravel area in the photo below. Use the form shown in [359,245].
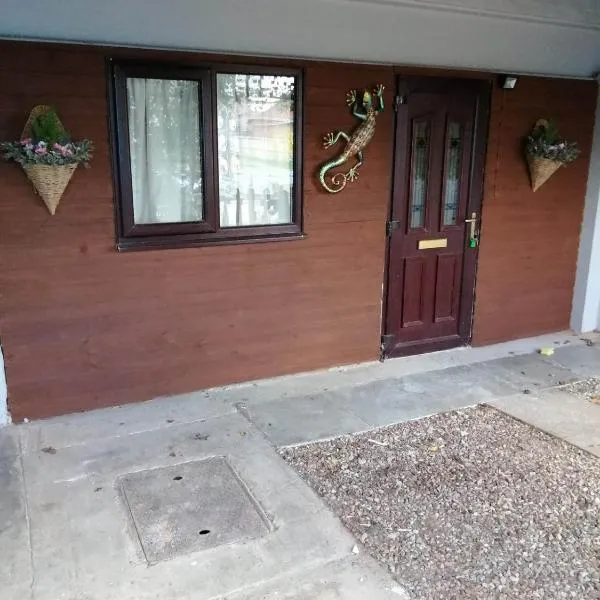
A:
[588,389]
[470,504]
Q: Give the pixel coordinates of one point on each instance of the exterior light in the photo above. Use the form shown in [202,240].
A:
[508,82]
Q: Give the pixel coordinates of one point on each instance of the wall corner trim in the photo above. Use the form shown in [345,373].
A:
[585,315]
[4,416]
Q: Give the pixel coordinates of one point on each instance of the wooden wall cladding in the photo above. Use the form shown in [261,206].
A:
[83,326]
[529,241]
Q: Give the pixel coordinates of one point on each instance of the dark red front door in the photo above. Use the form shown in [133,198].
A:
[433,234]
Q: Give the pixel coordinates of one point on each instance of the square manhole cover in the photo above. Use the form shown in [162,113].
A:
[190,507]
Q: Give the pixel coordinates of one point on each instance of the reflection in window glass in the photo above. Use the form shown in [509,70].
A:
[452,178]
[419,173]
[255,117]
[165,149]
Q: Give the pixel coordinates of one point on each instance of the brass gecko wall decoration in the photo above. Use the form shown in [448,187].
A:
[355,143]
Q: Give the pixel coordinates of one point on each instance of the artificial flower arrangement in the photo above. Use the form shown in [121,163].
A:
[47,154]
[546,151]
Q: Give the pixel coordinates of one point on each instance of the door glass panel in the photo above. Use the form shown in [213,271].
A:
[452,175]
[419,173]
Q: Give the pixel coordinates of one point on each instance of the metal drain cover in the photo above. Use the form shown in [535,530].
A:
[189,507]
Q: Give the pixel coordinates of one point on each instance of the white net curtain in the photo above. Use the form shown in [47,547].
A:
[165,150]
[255,128]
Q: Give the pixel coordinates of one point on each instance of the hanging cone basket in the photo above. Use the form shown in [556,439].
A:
[49,181]
[541,169]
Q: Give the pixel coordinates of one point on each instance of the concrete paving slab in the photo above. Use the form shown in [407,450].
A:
[69,471]
[109,458]
[120,421]
[583,360]
[101,463]
[530,371]
[564,415]
[356,578]
[385,402]
[298,420]
[9,442]
[15,566]
[466,385]
[75,504]
[98,559]
[191,506]
[381,403]
[318,382]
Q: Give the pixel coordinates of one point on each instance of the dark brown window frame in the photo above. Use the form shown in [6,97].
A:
[207,232]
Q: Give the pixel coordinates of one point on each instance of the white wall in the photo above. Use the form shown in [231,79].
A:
[586,299]
[4,418]
[546,36]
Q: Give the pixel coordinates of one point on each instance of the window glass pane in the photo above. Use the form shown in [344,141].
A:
[452,177]
[165,148]
[256,148]
[419,173]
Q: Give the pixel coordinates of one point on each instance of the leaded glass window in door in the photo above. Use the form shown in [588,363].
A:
[419,173]
[452,173]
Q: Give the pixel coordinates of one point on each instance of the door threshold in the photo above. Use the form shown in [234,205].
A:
[425,346]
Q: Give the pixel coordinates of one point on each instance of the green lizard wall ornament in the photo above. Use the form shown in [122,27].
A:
[356,143]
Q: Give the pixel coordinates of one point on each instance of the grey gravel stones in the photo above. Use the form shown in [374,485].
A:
[588,389]
[464,505]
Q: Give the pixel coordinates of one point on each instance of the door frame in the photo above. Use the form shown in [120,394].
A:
[483,88]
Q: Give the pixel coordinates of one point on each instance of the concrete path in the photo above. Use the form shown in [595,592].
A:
[104,505]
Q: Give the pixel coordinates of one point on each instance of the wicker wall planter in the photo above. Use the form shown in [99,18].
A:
[47,154]
[50,182]
[541,169]
[547,152]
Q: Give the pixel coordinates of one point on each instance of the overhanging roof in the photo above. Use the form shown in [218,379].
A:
[551,37]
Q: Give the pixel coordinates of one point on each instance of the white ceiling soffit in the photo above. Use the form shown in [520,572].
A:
[573,13]
[554,37]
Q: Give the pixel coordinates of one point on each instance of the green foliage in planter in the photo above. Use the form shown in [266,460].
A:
[545,142]
[48,128]
[49,144]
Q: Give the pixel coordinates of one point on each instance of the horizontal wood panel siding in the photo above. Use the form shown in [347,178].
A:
[83,326]
[529,241]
